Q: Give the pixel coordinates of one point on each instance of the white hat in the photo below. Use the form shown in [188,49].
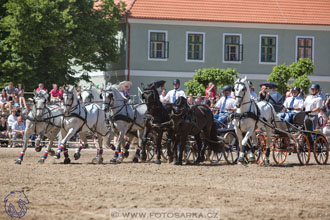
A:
[123,84]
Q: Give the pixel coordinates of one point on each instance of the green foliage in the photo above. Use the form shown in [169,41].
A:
[297,70]
[304,66]
[46,41]
[203,77]
[280,75]
[303,82]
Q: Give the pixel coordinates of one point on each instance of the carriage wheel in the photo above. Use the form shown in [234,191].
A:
[260,151]
[213,157]
[231,150]
[303,149]
[321,150]
[149,150]
[279,153]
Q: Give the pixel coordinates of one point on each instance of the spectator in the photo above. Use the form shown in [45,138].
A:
[322,117]
[4,103]
[20,95]
[18,129]
[61,92]
[322,96]
[11,93]
[210,91]
[12,118]
[264,93]
[198,99]
[41,87]
[4,128]
[79,93]
[54,94]
[288,93]
[326,130]
[327,105]
[162,95]
[26,111]
[191,100]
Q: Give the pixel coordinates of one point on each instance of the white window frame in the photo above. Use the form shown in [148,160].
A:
[296,51]
[224,49]
[268,35]
[166,39]
[192,32]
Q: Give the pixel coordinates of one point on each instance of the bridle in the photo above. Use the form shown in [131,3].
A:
[241,97]
[108,93]
[90,95]
[69,105]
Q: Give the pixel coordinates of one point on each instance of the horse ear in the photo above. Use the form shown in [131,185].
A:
[101,96]
[245,78]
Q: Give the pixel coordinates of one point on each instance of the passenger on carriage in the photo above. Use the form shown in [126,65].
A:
[292,105]
[225,105]
[252,92]
[124,88]
[313,104]
[162,95]
[175,93]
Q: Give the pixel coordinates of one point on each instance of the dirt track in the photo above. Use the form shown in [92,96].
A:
[86,191]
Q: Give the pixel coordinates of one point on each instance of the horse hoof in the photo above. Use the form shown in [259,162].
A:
[100,160]
[37,148]
[178,163]
[126,154]
[143,156]
[76,155]
[135,160]
[51,152]
[113,160]
[57,155]
[252,159]
[18,162]
[157,162]
[41,161]
[266,162]
[67,160]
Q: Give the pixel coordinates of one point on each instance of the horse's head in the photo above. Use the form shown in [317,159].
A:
[87,95]
[69,98]
[40,101]
[150,96]
[241,91]
[107,97]
[180,106]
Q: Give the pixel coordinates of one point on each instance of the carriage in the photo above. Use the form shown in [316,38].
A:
[295,137]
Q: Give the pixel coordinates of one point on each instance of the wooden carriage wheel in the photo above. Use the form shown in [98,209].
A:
[303,149]
[279,149]
[231,151]
[321,150]
[260,151]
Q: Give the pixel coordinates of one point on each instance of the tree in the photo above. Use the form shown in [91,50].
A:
[47,40]
[298,71]
[202,77]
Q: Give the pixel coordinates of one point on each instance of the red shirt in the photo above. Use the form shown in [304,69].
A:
[38,89]
[55,93]
[213,94]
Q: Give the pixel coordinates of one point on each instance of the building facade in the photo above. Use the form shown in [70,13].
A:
[167,45]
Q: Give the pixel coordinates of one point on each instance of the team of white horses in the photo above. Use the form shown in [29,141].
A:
[109,114]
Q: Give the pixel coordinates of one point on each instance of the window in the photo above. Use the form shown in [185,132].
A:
[268,49]
[233,49]
[195,47]
[158,45]
[305,47]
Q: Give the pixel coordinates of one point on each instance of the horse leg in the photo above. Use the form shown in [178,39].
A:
[37,147]
[182,146]
[242,149]
[26,136]
[199,145]
[66,155]
[62,143]
[251,157]
[159,146]
[138,149]
[80,147]
[175,149]
[268,131]
[118,147]
[52,136]
[99,159]
[144,141]
[169,148]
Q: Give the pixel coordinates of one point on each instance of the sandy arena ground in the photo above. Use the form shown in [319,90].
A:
[83,190]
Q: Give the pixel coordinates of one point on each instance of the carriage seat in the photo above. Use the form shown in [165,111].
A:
[299,118]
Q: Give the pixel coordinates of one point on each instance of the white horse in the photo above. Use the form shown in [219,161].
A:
[250,115]
[90,95]
[42,120]
[81,118]
[124,120]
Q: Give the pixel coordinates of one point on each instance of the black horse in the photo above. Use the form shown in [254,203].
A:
[158,121]
[196,121]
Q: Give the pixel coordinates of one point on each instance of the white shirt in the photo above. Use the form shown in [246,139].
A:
[11,120]
[297,103]
[230,103]
[162,98]
[311,102]
[170,94]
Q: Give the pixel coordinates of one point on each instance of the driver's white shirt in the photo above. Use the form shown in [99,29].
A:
[311,102]
[230,103]
[297,103]
[170,94]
